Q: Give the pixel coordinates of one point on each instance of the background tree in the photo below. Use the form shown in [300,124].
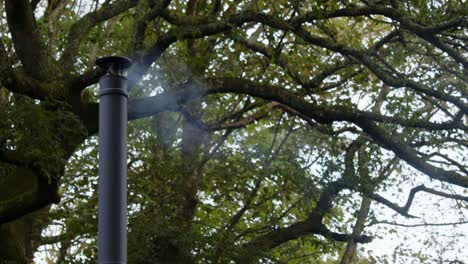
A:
[265,131]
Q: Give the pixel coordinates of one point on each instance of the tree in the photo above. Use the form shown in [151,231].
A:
[265,131]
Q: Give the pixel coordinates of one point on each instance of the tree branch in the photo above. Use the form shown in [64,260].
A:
[313,224]
[79,30]
[404,209]
[357,230]
[25,35]
[401,210]
[418,225]
[406,153]
[42,195]
[12,157]
[18,82]
[142,21]
[196,89]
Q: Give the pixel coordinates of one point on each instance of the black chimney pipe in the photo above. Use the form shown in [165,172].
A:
[112,187]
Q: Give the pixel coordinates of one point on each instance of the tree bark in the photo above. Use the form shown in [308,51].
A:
[20,239]
[351,246]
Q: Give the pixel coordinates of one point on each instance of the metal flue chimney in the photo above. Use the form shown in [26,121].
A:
[112,188]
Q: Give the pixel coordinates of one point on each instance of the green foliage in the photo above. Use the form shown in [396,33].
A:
[221,173]
[38,131]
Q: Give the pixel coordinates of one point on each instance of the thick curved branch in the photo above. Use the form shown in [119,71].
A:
[26,203]
[406,153]
[449,161]
[44,193]
[26,38]
[321,114]
[457,56]
[197,89]
[19,82]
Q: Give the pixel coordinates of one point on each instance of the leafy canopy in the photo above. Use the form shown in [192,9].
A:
[262,131]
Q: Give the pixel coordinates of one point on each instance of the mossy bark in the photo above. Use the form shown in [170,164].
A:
[20,238]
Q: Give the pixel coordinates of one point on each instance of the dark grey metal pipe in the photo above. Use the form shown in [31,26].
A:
[112,187]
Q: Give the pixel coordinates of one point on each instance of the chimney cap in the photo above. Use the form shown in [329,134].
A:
[114,64]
